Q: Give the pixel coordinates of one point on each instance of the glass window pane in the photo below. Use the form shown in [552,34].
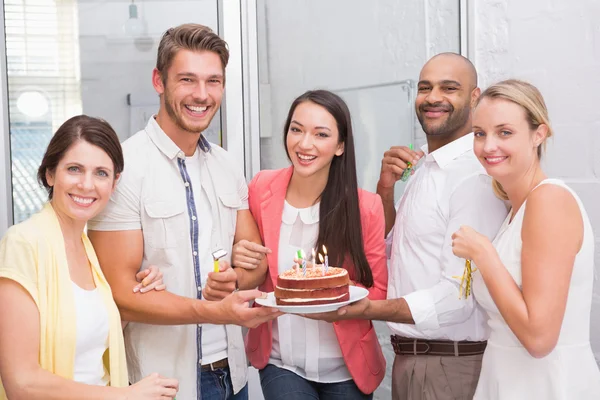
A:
[65,57]
[40,91]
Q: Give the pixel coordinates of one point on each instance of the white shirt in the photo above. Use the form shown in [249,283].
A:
[449,189]
[91,319]
[214,337]
[151,195]
[304,346]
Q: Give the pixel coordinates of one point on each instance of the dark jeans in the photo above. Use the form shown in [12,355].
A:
[281,384]
[216,385]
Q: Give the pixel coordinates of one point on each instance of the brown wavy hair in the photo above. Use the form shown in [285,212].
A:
[95,131]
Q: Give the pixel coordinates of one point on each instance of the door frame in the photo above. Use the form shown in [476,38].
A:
[467,29]
[6,199]
[240,107]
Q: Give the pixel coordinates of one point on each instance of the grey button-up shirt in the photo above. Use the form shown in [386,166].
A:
[154,195]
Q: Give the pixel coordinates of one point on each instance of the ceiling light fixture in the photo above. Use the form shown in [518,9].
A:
[133,26]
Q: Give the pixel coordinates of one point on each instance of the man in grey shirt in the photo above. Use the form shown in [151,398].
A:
[180,200]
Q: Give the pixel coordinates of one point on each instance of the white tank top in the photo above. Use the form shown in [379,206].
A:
[92,337]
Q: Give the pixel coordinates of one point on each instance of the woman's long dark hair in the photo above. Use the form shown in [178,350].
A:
[340,228]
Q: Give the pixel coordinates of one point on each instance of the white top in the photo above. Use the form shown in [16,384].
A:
[214,337]
[449,189]
[91,319]
[304,346]
[509,372]
[151,196]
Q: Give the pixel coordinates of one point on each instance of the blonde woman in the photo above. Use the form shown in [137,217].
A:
[535,279]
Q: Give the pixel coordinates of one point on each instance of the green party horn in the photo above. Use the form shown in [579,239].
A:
[407,172]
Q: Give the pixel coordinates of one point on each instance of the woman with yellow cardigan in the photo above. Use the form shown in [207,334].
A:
[60,330]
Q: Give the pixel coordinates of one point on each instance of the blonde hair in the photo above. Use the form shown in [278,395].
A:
[530,99]
[194,37]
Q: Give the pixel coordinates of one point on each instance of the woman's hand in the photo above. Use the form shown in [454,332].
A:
[150,278]
[248,255]
[153,387]
[469,244]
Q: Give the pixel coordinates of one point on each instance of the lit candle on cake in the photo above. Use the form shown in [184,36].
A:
[314,259]
[322,268]
[326,258]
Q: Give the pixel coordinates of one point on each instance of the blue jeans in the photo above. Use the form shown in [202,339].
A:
[281,384]
[216,385]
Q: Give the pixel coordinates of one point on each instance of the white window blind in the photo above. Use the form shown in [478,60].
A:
[42,53]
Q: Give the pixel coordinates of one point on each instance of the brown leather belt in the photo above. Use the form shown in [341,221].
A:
[216,365]
[417,347]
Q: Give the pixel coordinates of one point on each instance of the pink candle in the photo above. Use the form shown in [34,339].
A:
[326,259]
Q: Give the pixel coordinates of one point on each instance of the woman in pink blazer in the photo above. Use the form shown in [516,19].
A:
[317,202]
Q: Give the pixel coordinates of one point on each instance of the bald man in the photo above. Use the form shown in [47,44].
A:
[437,335]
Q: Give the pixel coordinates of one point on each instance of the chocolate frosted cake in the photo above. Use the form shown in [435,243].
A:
[294,288]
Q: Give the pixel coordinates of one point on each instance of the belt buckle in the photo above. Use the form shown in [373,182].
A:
[426,351]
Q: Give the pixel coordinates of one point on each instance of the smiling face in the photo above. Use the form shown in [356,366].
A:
[445,92]
[193,89]
[82,182]
[504,142]
[312,140]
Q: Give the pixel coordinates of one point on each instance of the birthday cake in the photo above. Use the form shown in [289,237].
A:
[316,286]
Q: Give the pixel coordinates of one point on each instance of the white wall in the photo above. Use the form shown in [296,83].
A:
[556,46]
[341,45]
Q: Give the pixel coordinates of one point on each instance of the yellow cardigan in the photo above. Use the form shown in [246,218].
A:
[32,254]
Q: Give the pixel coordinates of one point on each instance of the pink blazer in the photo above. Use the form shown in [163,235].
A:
[357,338]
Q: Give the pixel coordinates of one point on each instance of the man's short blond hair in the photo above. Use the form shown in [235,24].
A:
[194,37]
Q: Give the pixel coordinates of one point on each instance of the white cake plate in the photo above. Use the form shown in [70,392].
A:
[356,294]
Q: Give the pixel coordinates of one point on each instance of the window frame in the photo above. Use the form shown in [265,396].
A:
[6,206]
